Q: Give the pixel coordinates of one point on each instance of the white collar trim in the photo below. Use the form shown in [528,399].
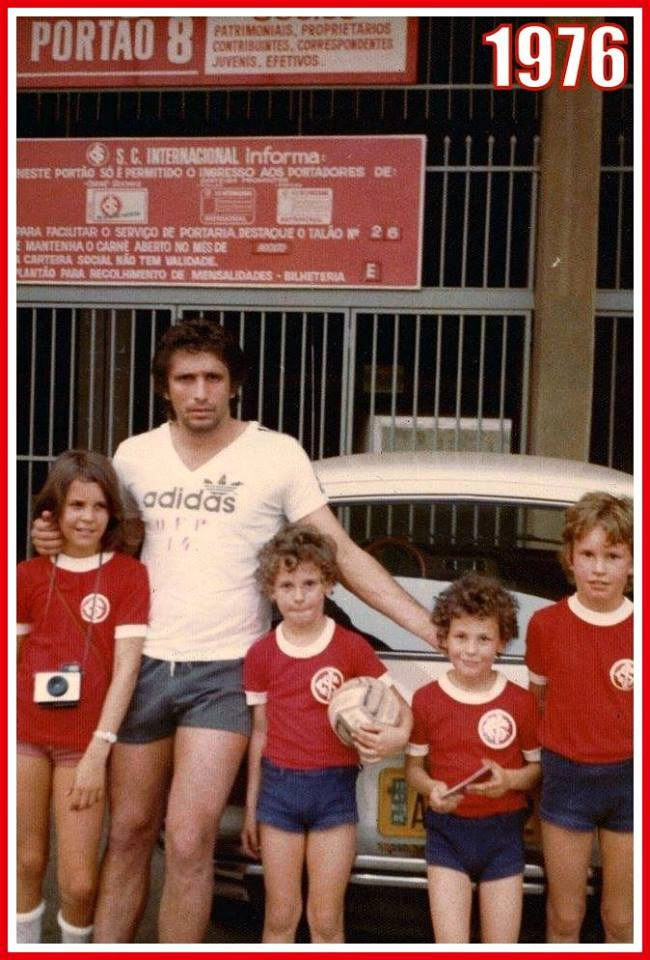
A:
[312,649]
[599,618]
[473,696]
[81,564]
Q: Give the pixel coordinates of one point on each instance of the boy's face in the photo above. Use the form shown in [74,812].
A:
[300,595]
[472,646]
[601,570]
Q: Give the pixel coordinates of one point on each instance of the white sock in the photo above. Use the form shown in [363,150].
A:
[70,934]
[28,925]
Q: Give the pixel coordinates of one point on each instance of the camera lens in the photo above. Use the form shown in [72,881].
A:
[57,685]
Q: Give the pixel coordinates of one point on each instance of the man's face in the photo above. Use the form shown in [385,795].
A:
[199,390]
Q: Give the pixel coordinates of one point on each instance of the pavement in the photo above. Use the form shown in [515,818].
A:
[147,930]
[375,916]
[218,931]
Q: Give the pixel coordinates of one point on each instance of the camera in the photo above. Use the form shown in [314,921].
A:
[58,688]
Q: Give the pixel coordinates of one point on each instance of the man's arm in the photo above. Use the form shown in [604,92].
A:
[371,582]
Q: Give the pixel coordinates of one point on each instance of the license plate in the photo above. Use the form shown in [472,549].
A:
[400,808]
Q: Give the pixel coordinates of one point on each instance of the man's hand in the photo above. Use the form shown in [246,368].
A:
[46,535]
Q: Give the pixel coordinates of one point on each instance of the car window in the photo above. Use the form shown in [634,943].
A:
[427,544]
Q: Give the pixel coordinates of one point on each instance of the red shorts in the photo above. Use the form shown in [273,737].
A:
[58,756]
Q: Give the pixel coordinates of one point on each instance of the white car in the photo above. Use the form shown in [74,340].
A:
[429,518]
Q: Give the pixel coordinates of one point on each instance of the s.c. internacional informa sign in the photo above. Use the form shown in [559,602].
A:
[281,211]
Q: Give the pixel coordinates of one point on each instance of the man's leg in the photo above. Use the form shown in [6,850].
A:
[205,767]
[139,775]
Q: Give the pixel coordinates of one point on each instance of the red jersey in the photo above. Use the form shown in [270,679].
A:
[74,613]
[457,729]
[588,670]
[297,684]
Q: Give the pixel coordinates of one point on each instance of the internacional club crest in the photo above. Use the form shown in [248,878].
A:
[94,608]
[621,675]
[325,683]
[497,729]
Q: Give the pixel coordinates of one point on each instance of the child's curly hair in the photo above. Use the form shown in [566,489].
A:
[294,544]
[475,595]
[597,509]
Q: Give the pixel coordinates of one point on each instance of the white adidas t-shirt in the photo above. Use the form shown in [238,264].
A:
[203,529]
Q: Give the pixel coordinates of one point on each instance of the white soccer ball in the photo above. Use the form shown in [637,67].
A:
[361,701]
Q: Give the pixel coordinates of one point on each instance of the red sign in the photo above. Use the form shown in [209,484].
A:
[112,52]
[285,211]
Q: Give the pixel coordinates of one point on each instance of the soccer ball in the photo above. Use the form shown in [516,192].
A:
[361,701]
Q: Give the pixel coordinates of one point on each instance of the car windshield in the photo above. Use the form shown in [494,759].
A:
[425,544]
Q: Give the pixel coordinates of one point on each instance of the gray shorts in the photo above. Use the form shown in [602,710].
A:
[168,694]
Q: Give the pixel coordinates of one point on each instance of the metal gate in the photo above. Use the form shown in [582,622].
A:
[446,366]
[340,381]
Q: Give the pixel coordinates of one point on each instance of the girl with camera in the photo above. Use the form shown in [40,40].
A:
[82,619]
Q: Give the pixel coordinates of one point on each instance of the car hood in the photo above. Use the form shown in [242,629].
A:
[514,477]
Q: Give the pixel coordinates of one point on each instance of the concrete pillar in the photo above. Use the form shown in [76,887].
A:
[565,285]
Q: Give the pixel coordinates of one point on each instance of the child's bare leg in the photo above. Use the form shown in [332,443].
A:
[450,902]
[567,854]
[283,854]
[330,855]
[500,905]
[616,906]
[78,834]
[32,828]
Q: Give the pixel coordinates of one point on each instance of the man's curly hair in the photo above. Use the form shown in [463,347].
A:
[475,595]
[294,544]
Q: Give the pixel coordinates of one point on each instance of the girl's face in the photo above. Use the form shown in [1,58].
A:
[83,518]
[601,570]
[472,646]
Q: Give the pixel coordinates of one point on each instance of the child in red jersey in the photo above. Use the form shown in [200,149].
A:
[82,618]
[301,802]
[471,718]
[580,661]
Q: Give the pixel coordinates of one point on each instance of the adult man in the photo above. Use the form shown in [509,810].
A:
[211,490]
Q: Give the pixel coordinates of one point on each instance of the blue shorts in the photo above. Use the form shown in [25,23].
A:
[301,800]
[168,694]
[485,848]
[584,796]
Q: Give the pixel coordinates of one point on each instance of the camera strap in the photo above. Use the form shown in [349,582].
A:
[87,633]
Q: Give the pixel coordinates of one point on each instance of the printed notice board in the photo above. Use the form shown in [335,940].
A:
[81,52]
[285,211]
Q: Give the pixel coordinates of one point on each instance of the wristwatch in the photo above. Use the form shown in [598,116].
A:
[105,735]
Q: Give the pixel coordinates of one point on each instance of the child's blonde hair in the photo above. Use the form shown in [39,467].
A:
[475,595]
[294,544]
[597,509]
